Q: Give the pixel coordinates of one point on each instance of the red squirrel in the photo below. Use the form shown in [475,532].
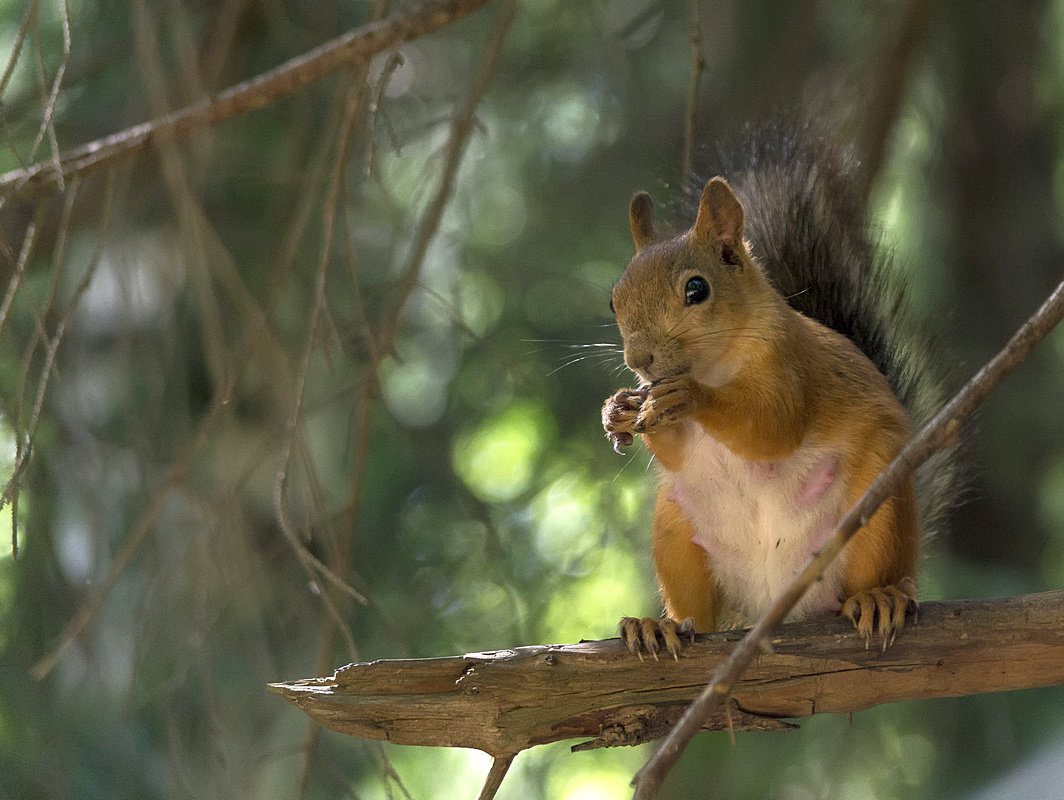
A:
[765,424]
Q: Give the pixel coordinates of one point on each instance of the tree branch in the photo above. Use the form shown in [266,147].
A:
[506,701]
[888,84]
[461,127]
[351,48]
[698,66]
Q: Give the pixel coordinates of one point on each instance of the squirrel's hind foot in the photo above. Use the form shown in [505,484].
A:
[882,610]
[650,634]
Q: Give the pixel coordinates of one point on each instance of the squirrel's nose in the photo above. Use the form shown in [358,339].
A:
[639,361]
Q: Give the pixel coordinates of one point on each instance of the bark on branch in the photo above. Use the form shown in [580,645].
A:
[506,701]
[352,48]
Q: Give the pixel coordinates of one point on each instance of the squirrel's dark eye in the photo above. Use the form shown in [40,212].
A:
[612,309]
[696,290]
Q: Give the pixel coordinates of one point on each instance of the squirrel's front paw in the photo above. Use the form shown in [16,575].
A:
[649,635]
[667,400]
[619,414]
[882,610]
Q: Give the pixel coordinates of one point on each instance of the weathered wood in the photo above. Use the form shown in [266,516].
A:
[505,701]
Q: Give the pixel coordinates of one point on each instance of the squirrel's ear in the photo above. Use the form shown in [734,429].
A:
[641,216]
[720,216]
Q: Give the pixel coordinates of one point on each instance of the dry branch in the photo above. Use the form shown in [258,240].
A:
[506,701]
[350,49]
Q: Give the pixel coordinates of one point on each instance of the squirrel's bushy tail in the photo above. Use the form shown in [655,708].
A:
[807,222]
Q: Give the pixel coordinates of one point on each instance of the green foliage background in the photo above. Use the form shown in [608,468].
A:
[456,475]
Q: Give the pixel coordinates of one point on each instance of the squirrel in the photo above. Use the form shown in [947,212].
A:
[777,380]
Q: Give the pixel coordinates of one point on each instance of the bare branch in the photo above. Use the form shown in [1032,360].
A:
[20,39]
[352,48]
[28,240]
[47,122]
[178,471]
[939,433]
[312,565]
[460,130]
[506,701]
[894,64]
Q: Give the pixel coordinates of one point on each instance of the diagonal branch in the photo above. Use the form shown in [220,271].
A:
[895,63]
[698,66]
[938,434]
[461,128]
[353,47]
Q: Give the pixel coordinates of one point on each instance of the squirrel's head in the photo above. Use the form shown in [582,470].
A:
[684,301]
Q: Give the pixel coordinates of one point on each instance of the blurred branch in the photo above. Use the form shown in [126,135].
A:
[941,432]
[47,123]
[16,50]
[312,566]
[698,66]
[888,86]
[28,431]
[460,130]
[354,47]
[28,241]
[506,701]
[177,472]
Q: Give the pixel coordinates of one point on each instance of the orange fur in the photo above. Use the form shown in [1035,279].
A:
[684,571]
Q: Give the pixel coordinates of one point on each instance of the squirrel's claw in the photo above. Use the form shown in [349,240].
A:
[668,399]
[642,635]
[882,610]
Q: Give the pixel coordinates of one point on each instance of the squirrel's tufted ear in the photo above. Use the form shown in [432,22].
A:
[641,216]
[720,216]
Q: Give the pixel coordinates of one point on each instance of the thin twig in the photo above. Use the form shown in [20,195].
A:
[500,765]
[353,47]
[178,471]
[342,552]
[20,40]
[940,432]
[40,316]
[391,64]
[9,70]
[460,130]
[28,240]
[24,443]
[309,562]
[356,97]
[314,176]
[48,119]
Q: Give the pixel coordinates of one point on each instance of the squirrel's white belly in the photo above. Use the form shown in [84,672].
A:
[760,522]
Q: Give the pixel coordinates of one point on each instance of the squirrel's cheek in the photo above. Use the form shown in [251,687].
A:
[718,371]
